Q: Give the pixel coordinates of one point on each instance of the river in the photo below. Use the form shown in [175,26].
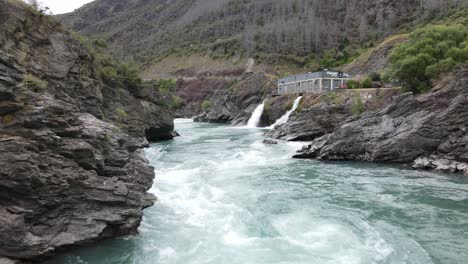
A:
[225,197]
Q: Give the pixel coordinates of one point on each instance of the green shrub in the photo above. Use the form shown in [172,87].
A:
[100,43]
[166,86]
[375,77]
[328,59]
[366,83]
[121,114]
[429,52]
[108,74]
[288,105]
[32,82]
[358,106]
[206,105]
[333,98]
[353,84]
[300,107]
[177,102]
[129,75]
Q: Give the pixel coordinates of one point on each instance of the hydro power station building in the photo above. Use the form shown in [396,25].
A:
[313,82]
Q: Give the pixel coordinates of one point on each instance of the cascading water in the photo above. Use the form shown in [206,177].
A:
[256,115]
[284,119]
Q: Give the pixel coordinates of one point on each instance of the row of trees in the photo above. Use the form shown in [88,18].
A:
[302,27]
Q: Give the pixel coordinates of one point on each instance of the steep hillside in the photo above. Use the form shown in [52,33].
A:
[270,31]
[70,143]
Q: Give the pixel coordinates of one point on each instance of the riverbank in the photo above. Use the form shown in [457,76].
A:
[225,197]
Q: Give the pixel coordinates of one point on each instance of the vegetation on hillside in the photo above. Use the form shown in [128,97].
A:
[272,31]
[430,51]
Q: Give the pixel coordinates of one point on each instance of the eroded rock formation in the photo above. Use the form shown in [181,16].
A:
[237,105]
[430,130]
[72,170]
[320,114]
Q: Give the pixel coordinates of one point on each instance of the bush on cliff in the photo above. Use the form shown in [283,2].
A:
[353,84]
[430,51]
[358,106]
[206,105]
[375,77]
[177,102]
[166,86]
[32,82]
[367,83]
[108,74]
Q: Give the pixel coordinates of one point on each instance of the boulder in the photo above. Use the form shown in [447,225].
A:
[269,142]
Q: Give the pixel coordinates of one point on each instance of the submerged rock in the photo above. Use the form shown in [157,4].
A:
[442,164]
[270,142]
[409,130]
[72,172]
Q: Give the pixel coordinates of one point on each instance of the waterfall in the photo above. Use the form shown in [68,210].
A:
[285,117]
[256,115]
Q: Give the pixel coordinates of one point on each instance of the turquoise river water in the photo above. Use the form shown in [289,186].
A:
[225,197]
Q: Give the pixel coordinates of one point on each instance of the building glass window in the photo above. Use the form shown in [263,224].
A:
[336,84]
[326,84]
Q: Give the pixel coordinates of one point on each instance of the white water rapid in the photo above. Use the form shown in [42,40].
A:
[256,115]
[224,197]
[284,119]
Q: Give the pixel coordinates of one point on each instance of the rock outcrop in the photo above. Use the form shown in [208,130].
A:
[430,130]
[72,167]
[237,105]
[321,114]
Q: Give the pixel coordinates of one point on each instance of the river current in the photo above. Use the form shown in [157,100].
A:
[225,197]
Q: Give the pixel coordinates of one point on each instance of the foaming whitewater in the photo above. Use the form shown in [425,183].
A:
[284,119]
[256,115]
[226,198]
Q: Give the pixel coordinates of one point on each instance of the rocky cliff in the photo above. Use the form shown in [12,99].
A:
[320,114]
[70,145]
[430,130]
[237,104]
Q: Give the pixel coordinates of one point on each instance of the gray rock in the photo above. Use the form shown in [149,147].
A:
[442,164]
[72,173]
[409,130]
[270,142]
[312,123]
[237,105]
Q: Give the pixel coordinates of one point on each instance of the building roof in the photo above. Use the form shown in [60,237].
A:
[313,75]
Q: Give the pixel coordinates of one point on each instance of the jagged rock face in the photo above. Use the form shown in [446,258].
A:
[69,175]
[324,113]
[145,113]
[431,129]
[312,123]
[237,105]
[276,107]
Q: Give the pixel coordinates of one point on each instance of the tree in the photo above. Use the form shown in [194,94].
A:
[34,4]
[367,83]
[429,52]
